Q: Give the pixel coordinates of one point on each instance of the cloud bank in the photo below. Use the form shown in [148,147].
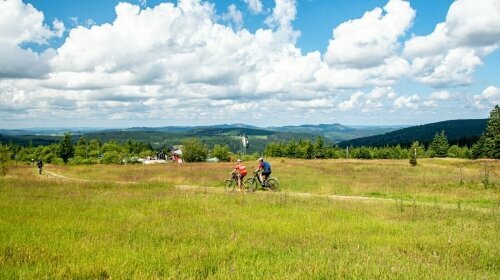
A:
[182,62]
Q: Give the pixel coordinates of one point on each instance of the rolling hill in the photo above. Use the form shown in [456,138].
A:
[462,132]
[27,140]
[211,136]
[337,132]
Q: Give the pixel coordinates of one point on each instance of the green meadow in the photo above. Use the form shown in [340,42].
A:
[438,220]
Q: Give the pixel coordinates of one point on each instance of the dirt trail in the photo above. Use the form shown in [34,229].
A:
[55,175]
[402,202]
[302,194]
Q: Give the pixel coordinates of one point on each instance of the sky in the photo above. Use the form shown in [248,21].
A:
[107,63]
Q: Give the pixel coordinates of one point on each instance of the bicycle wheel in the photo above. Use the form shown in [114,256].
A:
[273,185]
[251,184]
[229,185]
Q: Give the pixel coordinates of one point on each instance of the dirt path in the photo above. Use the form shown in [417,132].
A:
[402,202]
[59,176]
[365,199]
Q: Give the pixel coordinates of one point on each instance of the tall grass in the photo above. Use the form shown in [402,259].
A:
[444,180]
[55,228]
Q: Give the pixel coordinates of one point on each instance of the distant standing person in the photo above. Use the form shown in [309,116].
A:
[265,167]
[39,164]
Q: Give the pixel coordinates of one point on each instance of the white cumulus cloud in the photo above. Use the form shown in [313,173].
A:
[351,103]
[488,98]
[408,101]
[234,15]
[283,15]
[183,62]
[370,40]
[450,55]
[255,6]
[21,23]
[440,95]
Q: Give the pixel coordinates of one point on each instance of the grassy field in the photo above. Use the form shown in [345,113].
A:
[443,180]
[132,222]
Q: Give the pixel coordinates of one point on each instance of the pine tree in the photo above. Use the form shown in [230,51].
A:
[440,145]
[489,144]
[493,134]
[319,151]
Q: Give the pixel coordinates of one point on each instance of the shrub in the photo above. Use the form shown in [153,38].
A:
[221,152]
[80,160]
[194,151]
[111,157]
[363,153]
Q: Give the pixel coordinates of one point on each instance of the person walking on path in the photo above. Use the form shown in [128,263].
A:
[39,165]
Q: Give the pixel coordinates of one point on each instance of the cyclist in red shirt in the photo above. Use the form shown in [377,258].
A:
[239,172]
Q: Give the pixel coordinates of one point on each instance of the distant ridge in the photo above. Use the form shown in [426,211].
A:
[184,128]
[462,132]
[336,132]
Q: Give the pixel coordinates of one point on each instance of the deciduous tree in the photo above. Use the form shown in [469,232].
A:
[221,152]
[4,159]
[194,150]
[66,149]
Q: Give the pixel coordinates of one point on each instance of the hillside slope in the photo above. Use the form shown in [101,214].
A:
[211,136]
[462,132]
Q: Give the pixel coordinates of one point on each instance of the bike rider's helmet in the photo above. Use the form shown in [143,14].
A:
[261,159]
[238,160]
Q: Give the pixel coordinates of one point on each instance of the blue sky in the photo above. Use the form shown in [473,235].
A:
[311,17]
[261,62]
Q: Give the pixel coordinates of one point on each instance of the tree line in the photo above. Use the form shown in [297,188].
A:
[306,149]
[95,151]
[488,146]
[84,151]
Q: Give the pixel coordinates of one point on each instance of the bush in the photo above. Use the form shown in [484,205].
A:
[362,153]
[80,160]
[194,151]
[382,153]
[455,152]
[221,152]
[111,157]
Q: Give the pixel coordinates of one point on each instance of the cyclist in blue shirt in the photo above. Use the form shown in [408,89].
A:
[265,167]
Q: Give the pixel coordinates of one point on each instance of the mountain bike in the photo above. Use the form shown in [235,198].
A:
[254,183]
[231,184]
